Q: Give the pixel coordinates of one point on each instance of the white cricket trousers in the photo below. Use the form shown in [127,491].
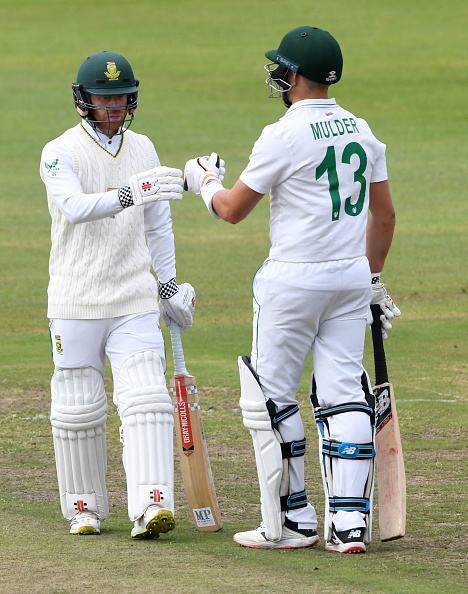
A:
[320,308]
[85,343]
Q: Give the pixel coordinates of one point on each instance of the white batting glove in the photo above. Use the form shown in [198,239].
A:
[160,183]
[197,169]
[388,307]
[204,175]
[177,303]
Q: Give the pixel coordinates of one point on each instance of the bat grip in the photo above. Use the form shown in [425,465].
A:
[177,351]
[380,363]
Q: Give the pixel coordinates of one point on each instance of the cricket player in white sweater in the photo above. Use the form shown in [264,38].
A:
[108,198]
[325,171]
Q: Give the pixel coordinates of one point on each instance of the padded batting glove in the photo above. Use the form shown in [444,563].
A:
[204,175]
[388,307]
[160,183]
[177,303]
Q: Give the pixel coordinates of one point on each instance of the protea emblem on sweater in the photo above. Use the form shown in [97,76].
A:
[112,72]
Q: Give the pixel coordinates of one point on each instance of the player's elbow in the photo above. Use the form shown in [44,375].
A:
[389,221]
[235,205]
[383,219]
[232,211]
[233,217]
[227,211]
[70,211]
[75,218]
[71,218]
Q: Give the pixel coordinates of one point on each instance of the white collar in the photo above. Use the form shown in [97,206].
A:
[318,103]
[111,145]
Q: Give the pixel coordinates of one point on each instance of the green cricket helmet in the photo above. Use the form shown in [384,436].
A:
[105,74]
[308,51]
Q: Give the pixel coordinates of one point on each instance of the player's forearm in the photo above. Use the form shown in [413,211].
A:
[160,239]
[223,206]
[162,250]
[381,225]
[234,205]
[379,240]
[83,208]
[204,176]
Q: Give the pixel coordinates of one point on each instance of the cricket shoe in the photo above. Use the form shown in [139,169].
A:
[347,541]
[85,522]
[153,522]
[292,537]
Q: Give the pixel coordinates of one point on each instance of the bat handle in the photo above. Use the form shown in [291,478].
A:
[380,363]
[177,351]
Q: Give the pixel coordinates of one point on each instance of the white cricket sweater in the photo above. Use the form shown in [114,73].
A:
[101,269]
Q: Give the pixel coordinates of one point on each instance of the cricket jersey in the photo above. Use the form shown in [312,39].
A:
[317,163]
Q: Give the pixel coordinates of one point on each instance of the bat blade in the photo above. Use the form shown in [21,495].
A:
[192,448]
[390,467]
[193,456]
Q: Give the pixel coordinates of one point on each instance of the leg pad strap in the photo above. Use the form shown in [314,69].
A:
[293,501]
[292,449]
[351,451]
[360,504]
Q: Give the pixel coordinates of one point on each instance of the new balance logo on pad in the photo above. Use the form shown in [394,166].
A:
[354,534]
[349,450]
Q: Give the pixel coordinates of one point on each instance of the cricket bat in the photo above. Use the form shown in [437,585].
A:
[191,443]
[388,451]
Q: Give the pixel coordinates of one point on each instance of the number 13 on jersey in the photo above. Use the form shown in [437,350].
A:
[329,166]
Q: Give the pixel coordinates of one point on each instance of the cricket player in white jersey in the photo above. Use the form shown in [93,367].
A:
[327,178]
[111,221]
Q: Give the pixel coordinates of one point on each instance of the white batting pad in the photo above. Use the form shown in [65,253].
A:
[343,477]
[267,451]
[147,433]
[78,416]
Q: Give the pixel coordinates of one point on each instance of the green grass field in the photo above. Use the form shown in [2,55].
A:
[202,90]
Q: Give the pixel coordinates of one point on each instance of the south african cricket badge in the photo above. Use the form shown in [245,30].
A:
[112,72]
[58,344]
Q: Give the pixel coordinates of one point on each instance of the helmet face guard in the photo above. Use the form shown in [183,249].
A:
[105,74]
[279,86]
[86,109]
